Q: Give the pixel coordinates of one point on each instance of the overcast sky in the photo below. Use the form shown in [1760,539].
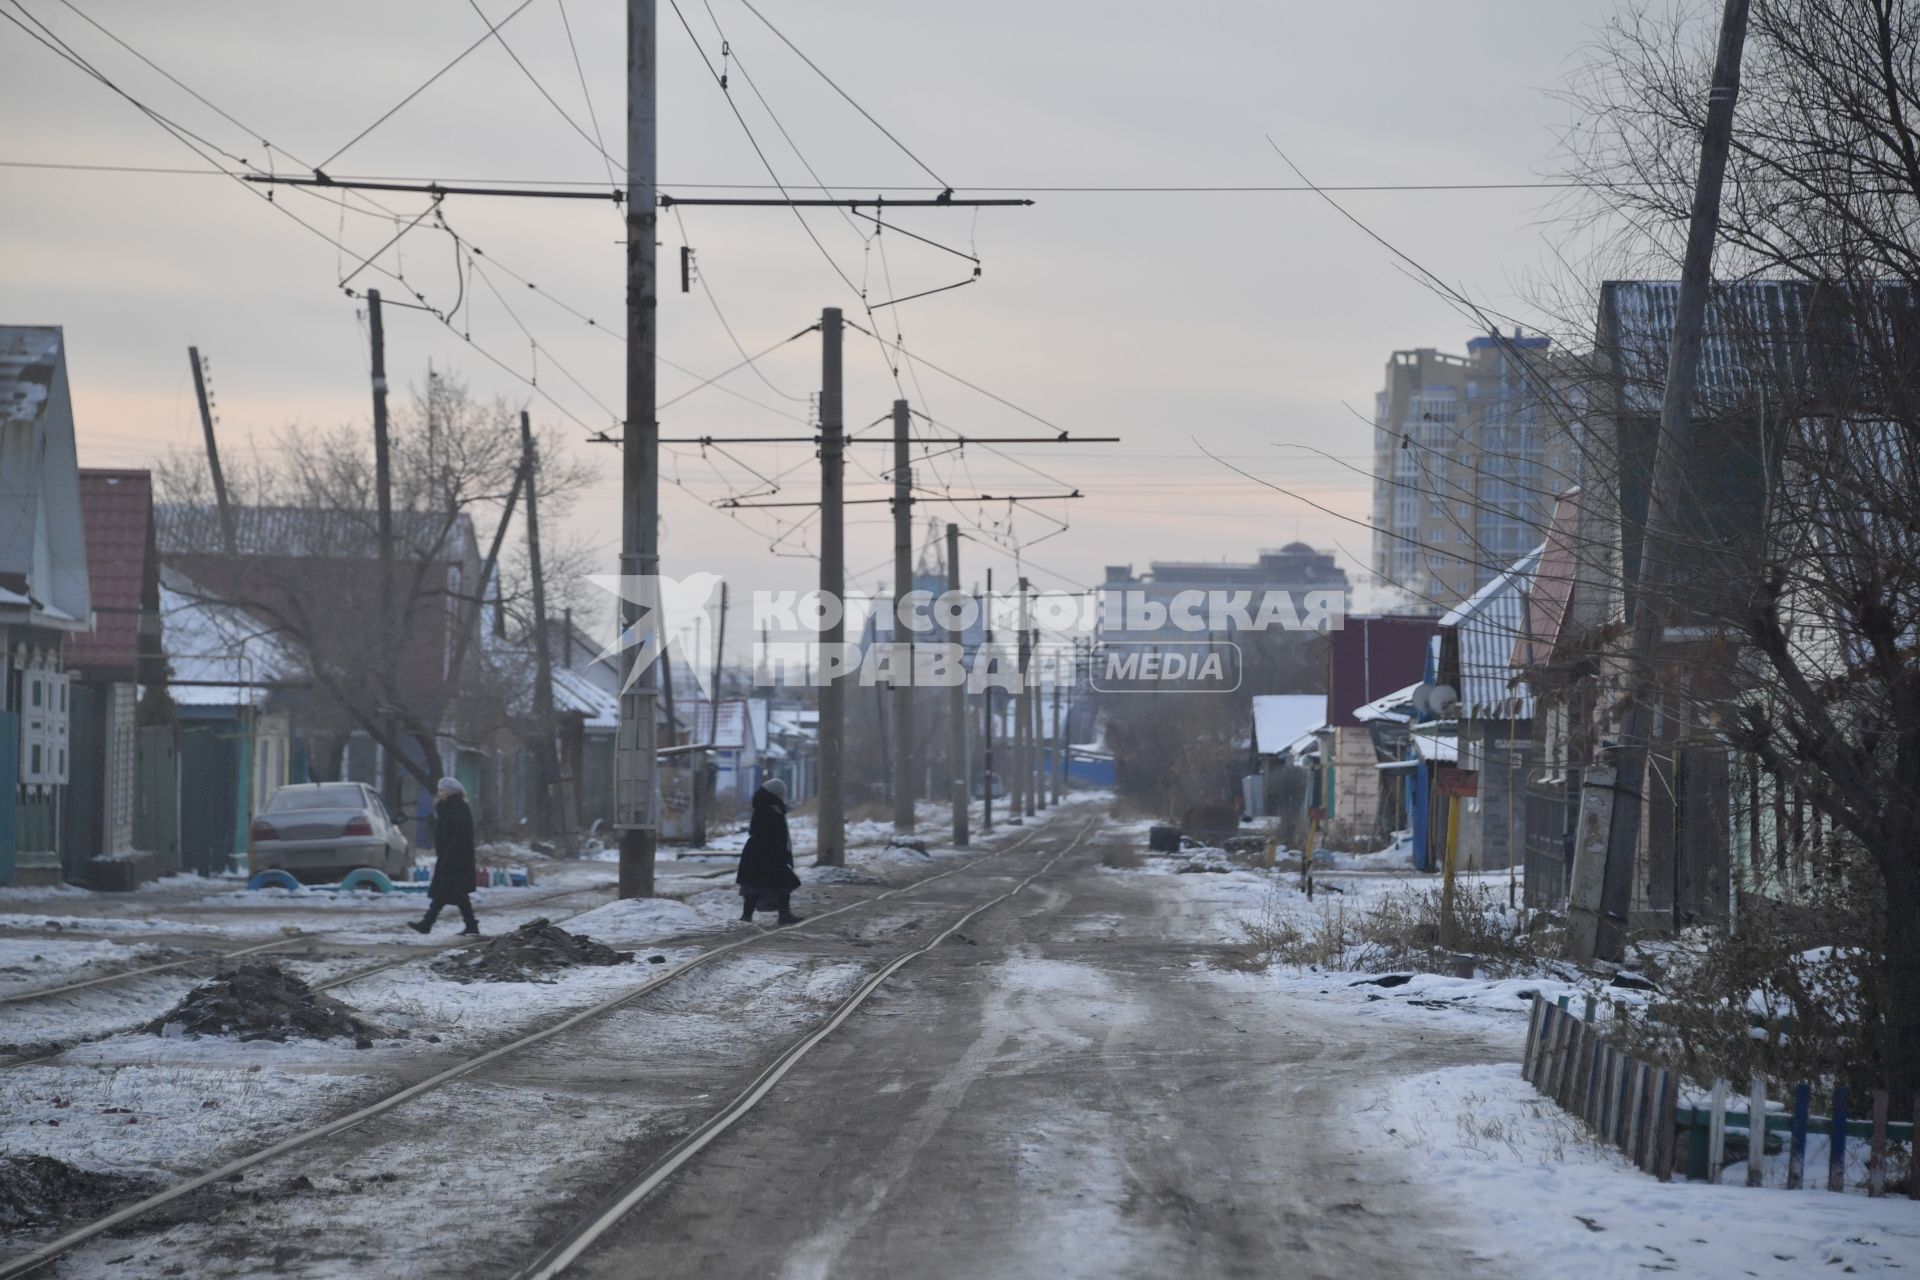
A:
[1244,322]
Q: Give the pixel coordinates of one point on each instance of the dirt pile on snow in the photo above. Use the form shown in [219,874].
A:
[528,954]
[36,1190]
[261,1002]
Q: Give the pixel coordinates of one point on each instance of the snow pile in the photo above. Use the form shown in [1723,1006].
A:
[528,954]
[640,920]
[260,1001]
[37,1190]
[1545,1190]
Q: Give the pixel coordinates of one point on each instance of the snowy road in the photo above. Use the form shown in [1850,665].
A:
[1074,1091]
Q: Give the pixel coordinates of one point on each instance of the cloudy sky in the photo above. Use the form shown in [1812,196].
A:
[1246,322]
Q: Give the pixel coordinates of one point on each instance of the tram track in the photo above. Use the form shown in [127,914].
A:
[74,1238]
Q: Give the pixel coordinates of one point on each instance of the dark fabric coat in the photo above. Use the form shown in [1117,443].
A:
[766,863]
[454,872]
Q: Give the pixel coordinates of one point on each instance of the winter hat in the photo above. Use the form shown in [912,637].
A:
[451,786]
[777,787]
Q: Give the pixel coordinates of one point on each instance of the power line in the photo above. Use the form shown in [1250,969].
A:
[591,140]
[883,187]
[849,97]
[388,114]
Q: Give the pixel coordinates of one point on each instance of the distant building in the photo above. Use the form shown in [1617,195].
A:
[1296,569]
[1469,454]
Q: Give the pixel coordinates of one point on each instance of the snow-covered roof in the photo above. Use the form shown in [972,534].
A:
[1397,705]
[1437,743]
[219,655]
[1488,624]
[574,692]
[1280,718]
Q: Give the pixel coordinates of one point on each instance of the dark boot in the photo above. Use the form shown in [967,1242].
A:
[467,918]
[471,931]
[786,912]
[746,908]
[419,926]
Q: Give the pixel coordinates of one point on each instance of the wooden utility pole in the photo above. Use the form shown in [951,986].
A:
[957,702]
[227,535]
[986,711]
[832,809]
[636,767]
[1600,891]
[544,755]
[902,587]
[383,489]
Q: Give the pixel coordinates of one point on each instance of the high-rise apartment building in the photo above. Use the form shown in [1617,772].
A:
[1469,453]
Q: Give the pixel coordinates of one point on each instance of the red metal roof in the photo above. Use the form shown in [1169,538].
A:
[116,507]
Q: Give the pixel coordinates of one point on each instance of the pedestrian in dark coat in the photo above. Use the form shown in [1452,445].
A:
[766,877]
[454,874]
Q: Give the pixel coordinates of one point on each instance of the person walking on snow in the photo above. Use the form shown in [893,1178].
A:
[766,877]
[454,874]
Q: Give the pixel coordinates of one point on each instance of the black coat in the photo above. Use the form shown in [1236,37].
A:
[454,872]
[767,860]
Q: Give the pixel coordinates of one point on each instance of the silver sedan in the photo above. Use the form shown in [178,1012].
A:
[319,831]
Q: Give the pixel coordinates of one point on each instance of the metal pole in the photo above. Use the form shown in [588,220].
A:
[213,454]
[903,649]
[1601,886]
[638,768]
[1036,739]
[957,703]
[986,711]
[832,839]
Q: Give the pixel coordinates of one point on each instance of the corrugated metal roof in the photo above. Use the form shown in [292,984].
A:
[1397,705]
[1487,626]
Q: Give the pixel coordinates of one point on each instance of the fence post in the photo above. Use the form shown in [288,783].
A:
[1589,1096]
[1717,1132]
[1534,1018]
[1669,1140]
[1637,1075]
[1837,1141]
[1877,1150]
[1623,1104]
[1797,1137]
[1756,1131]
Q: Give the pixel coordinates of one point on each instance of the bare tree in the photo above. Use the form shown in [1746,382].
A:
[396,670]
[1823,618]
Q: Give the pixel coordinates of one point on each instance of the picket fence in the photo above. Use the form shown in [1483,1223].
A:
[1635,1106]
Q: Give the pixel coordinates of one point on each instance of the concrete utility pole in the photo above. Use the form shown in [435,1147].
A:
[957,704]
[902,585]
[383,490]
[832,809]
[986,711]
[1019,805]
[1036,740]
[229,540]
[545,758]
[636,768]
[1059,740]
[1601,887]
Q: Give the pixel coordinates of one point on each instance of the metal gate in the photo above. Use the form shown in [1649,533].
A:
[156,796]
[210,774]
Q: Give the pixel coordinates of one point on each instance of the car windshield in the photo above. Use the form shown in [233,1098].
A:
[333,797]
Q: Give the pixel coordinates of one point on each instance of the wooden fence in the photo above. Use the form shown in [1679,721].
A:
[1634,1106]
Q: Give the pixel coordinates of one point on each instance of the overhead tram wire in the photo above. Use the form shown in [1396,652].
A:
[205,148]
[591,139]
[388,114]
[586,95]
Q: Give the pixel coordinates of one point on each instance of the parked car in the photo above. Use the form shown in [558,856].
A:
[319,831]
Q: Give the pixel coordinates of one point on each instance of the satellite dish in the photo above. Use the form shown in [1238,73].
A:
[1442,699]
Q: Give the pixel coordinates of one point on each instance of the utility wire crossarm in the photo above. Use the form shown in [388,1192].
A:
[942,201]
[733,504]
